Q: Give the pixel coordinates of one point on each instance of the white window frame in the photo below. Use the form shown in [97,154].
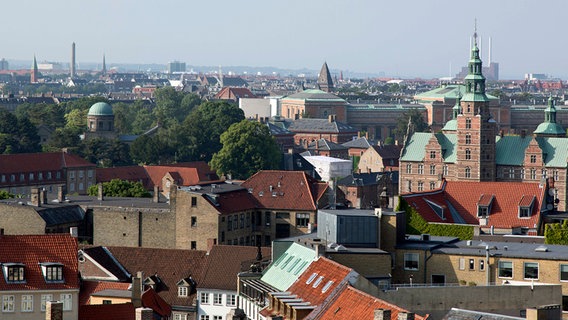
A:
[182,291]
[499,269]
[217,299]
[67,299]
[27,303]
[525,270]
[462,264]
[231,300]
[8,302]
[44,299]
[560,272]
[204,298]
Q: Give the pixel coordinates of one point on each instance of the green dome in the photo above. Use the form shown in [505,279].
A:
[549,128]
[100,109]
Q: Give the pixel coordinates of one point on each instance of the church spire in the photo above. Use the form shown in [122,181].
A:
[34,74]
[325,82]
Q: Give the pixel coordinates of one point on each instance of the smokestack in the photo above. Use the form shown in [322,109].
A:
[72,66]
[54,310]
[60,194]
[156,196]
[489,53]
[137,289]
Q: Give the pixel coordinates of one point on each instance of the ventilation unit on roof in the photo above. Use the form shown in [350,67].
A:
[541,249]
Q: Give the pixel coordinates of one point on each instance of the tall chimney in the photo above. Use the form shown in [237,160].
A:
[137,289]
[489,53]
[144,314]
[54,310]
[382,314]
[35,197]
[60,194]
[72,66]
[100,195]
[405,316]
[156,196]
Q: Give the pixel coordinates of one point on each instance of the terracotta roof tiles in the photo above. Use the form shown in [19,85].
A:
[36,162]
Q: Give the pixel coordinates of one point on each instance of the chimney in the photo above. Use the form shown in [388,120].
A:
[523,133]
[331,118]
[35,197]
[144,314]
[405,316]
[382,314]
[296,116]
[210,243]
[548,312]
[54,310]
[60,194]
[320,250]
[74,232]
[137,289]
[43,195]
[156,196]
[100,196]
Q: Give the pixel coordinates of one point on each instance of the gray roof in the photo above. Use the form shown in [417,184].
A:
[367,179]
[315,95]
[277,130]
[323,144]
[361,143]
[460,314]
[57,215]
[319,125]
[525,249]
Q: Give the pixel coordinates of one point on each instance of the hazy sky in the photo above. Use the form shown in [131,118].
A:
[400,38]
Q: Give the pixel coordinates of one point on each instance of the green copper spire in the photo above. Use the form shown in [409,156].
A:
[456,108]
[549,127]
[475,81]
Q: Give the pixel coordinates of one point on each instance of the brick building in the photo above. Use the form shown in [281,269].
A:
[313,103]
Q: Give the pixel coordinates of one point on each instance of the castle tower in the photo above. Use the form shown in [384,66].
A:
[72,65]
[325,82]
[476,129]
[549,128]
[34,76]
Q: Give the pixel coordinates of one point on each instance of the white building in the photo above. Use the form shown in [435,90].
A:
[330,168]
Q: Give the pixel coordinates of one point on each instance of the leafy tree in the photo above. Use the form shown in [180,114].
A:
[173,105]
[76,120]
[17,135]
[149,150]
[5,195]
[63,138]
[556,233]
[247,148]
[105,152]
[417,120]
[202,129]
[28,138]
[121,188]
[50,115]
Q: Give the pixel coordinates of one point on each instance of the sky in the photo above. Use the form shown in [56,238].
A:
[397,38]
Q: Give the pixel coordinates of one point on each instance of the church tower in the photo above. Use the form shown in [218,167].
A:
[325,82]
[476,130]
[34,76]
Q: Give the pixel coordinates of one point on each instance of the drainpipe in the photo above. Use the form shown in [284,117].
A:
[426,258]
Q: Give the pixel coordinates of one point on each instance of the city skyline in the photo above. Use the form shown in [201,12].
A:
[399,39]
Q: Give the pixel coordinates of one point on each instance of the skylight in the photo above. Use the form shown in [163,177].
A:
[311,278]
[318,281]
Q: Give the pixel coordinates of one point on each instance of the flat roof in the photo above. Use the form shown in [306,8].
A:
[507,249]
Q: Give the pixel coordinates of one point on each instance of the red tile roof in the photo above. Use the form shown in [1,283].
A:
[464,197]
[170,265]
[150,299]
[225,262]
[36,162]
[128,173]
[234,93]
[486,199]
[32,250]
[232,201]
[320,281]
[355,304]
[121,311]
[88,288]
[289,190]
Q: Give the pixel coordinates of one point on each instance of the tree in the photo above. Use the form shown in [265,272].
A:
[173,105]
[247,148]
[121,188]
[201,130]
[17,135]
[105,152]
[416,119]
[63,138]
[149,150]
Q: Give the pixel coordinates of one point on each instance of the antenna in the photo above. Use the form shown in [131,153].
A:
[480,44]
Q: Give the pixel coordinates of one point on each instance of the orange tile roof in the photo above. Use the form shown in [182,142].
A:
[355,304]
[32,250]
[190,173]
[225,262]
[36,162]
[128,173]
[485,199]
[290,190]
[233,201]
[464,197]
[324,274]
[88,288]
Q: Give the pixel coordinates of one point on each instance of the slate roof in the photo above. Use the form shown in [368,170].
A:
[225,198]
[390,151]
[128,173]
[314,95]
[326,145]
[283,272]
[104,259]
[276,130]
[359,143]
[459,200]
[355,304]
[31,251]
[231,93]
[320,126]
[366,179]
[121,311]
[290,190]
[61,214]
[36,162]
[170,265]
[510,249]
[225,262]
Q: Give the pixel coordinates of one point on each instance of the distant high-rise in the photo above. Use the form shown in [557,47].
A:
[325,82]
[176,66]
[104,70]
[72,65]
[34,72]
[4,64]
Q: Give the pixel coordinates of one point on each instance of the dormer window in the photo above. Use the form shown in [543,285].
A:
[186,287]
[52,272]
[526,206]
[182,291]
[484,205]
[14,272]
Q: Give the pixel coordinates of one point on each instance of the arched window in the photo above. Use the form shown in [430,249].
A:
[467,154]
[467,172]
[468,138]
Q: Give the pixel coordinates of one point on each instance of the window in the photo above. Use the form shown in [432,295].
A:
[180,316]
[468,123]
[22,177]
[67,302]
[204,317]
[327,286]
[12,178]
[217,298]
[90,174]
[267,218]
[421,169]
[302,219]
[107,301]
[58,175]
[432,154]
[411,261]
[71,175]
[217,317]
[462,264]
[471,264]
[204,298]
[231,300]
[481,264]
[505,269]
[49,175]
[533,174]
[229,223]
[3,178]
[511,173]
[523,174]
[311,278]
[409,168]
[81,186]
[533,158]
[467,172]
[420,186]
[52,272]
[468,138]
[531,270]
[193,221]
[194,201]
[564,272]
[193,245]
[317,282]
[14,272]
[524,212]
[467,154]
[445,170]
[555,175]
[432,169]
[182,291]
[8,303]
[432,185]
[44,299]
[27,303]
[242,220]
[31,177]
[482,211]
